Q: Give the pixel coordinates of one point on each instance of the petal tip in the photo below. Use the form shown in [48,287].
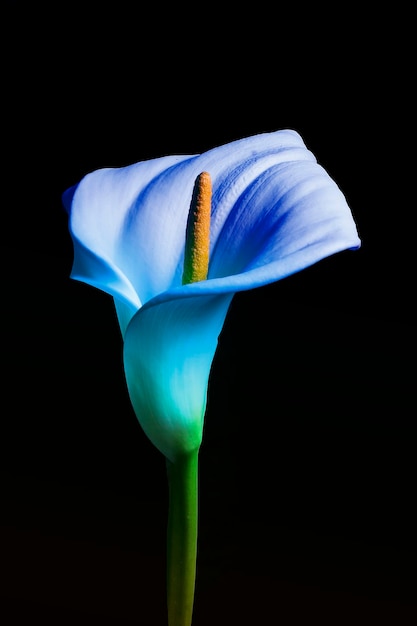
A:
[67,197]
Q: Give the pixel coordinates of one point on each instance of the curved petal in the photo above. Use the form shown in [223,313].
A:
[287,209]
[133,218]
[109,250]
[168,352]
[291,216]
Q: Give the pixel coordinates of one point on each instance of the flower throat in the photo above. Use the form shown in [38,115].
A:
[197,234]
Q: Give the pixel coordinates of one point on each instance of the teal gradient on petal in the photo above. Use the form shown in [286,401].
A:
[168,352]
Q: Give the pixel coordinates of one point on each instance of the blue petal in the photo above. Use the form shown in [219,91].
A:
[290,216]
[124,224]
[168,352]
[272,204]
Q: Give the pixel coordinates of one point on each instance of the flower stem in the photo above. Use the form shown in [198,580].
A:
[182,538]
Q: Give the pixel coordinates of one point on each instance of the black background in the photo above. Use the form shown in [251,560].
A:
[308,465]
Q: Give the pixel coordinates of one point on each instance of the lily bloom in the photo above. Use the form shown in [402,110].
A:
[262,208]
[274,211]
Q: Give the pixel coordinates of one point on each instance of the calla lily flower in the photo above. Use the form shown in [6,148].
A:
[274,211]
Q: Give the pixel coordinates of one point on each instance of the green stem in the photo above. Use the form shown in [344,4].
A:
[182,538]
